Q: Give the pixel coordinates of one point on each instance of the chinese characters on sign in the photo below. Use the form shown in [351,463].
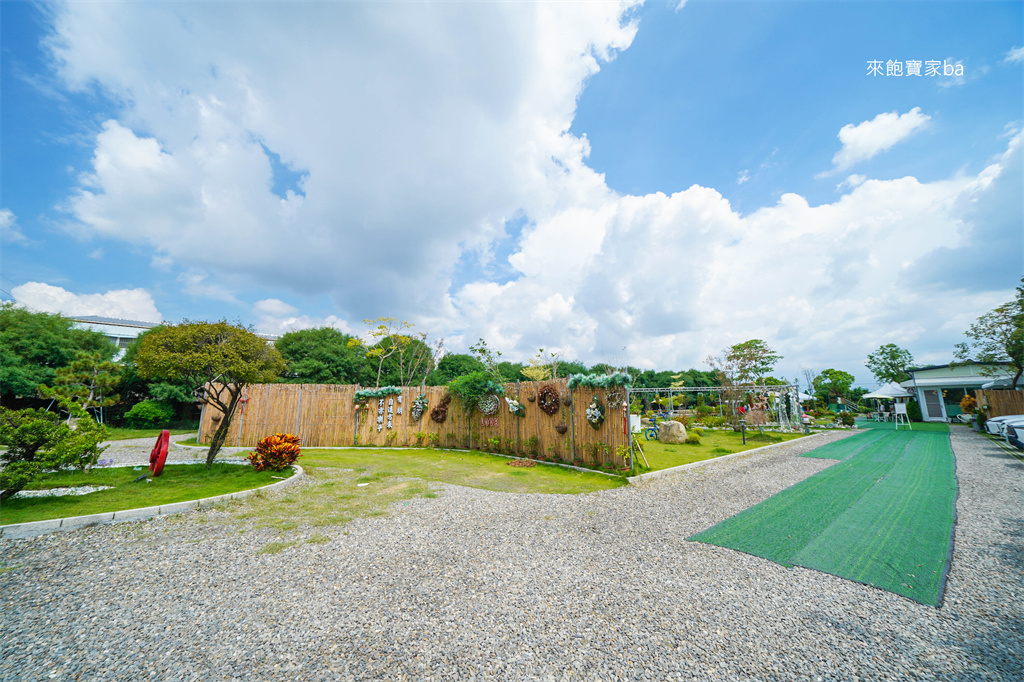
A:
[912,67]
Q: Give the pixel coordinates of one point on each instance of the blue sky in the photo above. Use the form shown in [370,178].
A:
[638,183]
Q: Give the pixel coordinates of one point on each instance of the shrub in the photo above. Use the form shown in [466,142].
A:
[968,404]
[692,439]
[847,418]
[913,411]
[149,414]
[699,431]
[37,441]
[685,420]
[275,452]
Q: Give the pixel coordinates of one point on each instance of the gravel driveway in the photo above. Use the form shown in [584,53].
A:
[483,585]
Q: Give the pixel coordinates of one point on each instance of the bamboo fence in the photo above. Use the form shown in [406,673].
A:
[1000,402]
[326,415]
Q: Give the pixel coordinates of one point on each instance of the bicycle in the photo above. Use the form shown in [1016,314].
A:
[652,431]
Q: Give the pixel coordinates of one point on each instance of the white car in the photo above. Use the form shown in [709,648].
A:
[997,425]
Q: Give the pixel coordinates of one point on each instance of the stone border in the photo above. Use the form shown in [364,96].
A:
[634,480]
[33,528]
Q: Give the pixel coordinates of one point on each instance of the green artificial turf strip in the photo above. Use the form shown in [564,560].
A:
[784,524]
[847,447]
[897,535]
[916,427]
[882,517]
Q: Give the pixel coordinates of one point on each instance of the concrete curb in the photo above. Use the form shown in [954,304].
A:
[34,528]
[634,480]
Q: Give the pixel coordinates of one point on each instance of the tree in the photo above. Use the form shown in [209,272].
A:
[566,368]
[89,381]
[997,336]
[536,368]
[323,356]
[220,355]
[833,383]
[175,396]
[890,363]
[37,442]
[33,346]
[744,363]
[453,366]
[411,362]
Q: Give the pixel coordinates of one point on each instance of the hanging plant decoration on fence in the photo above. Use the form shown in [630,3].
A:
[548,399]
[488,404]
[561,428]
[595,413]
[621,380]
[419,406]
[440,411]
[382,392]
[515,407]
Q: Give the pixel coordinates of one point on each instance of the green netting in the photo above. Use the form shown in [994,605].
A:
[896,536]
[921,427]
[883,517]
[841,449]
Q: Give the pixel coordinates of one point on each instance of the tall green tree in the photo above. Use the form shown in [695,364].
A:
[33,346]
[833,383]
[453,366]
[890,363]
[745,363]
[323,356]
[215,359]
[89,381]
[997,336]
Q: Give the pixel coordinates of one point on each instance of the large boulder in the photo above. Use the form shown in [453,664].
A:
[671,432]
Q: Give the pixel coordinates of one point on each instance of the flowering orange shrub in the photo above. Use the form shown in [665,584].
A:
[275,452]
[968,404]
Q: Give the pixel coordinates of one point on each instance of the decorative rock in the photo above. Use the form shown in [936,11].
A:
[671,432]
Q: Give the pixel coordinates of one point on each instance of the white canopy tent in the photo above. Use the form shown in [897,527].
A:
[890,391]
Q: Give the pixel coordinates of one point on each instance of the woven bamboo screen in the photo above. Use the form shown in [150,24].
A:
[325,415]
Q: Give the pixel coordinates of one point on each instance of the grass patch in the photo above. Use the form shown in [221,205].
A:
[189,441]
[714,443]
[350,484]
[276,547]
[179,483]
[474,470]
[125,434]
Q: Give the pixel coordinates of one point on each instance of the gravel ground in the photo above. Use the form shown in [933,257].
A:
[483,585]
[136,451]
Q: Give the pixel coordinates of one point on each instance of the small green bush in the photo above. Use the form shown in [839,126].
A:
[847,418]
[699,431]
[149,414]
[913,411]
[692,439]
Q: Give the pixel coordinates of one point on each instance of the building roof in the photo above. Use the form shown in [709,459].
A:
[117,322]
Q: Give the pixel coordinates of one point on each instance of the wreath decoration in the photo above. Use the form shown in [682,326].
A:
[440,411]
[488,404]
[419,406]
[515,407]
[548,399]
[595,413]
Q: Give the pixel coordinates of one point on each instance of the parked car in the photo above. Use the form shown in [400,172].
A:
[1007,423]
[995,424]
[1014,434]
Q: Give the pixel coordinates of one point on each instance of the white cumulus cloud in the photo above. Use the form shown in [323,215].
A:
[10,233]
[870,138]
[127,304]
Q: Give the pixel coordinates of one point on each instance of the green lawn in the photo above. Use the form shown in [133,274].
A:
[471,469]
[713,444]
[179,483]
[125,434]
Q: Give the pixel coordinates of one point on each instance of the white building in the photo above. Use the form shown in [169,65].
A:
[120,332]
[939,388]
